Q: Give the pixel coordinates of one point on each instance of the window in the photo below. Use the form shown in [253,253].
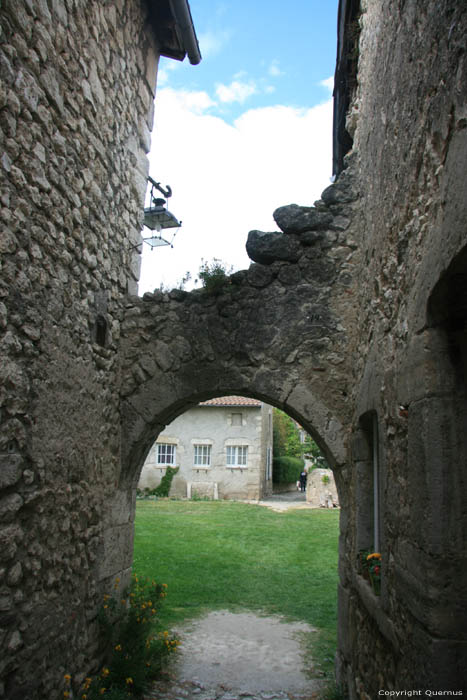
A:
[237,456]
[236,419]
[202,456]
[165,454]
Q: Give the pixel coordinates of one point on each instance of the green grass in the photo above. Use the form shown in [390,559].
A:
[223,555]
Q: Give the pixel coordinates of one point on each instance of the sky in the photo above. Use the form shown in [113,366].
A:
[247,130]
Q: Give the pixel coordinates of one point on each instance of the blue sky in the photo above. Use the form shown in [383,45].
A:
[245,131]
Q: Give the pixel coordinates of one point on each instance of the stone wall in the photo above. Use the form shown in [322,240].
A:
[76,95]
[408,121]
[351,319]
[321,491]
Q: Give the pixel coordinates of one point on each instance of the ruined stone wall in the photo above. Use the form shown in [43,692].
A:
[273,332]
[77,82]
[408,120]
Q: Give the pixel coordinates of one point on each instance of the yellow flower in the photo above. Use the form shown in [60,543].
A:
[117,580]
[164,585]
[105,672]
[87,683]
[118,647]
[129,681]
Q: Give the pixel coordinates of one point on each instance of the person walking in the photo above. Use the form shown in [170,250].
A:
[303,477]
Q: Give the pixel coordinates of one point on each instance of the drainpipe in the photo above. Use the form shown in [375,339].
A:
[376,482]
[183,15]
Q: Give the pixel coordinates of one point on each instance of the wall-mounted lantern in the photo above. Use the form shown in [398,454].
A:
[158,218]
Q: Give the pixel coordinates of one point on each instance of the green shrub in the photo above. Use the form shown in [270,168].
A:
[286,470]
[166,482]
[214,275]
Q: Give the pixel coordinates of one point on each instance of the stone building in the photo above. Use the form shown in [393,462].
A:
[351,319]
[222,448]
[77,89]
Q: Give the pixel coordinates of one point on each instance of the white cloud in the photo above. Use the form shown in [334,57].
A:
[212,43]
[237,91]
[274,69]
[164,70]
[228,179]
[189,100]
[328,83]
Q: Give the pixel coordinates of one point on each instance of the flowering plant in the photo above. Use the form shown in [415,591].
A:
[370,565]
[137,650]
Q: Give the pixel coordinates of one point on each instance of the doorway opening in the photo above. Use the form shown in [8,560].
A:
[234,569]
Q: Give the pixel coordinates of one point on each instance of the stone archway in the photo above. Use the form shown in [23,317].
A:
[282,332]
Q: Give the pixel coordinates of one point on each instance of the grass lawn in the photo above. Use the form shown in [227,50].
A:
[222,555]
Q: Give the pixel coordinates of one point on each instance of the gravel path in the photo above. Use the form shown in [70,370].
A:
[239,656]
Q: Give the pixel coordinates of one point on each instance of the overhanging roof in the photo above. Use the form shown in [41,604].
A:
[173,26]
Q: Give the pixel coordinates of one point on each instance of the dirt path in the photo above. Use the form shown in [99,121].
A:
[231,656]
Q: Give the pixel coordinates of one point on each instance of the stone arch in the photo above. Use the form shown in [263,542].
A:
[300,404]
[280,331]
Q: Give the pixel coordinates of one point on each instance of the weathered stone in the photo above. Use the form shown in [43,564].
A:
[340,192]
[11,468]
[259,275]
[15,642]
[15,574]
[308,238]
[297,219]
[9,506]
[266,248]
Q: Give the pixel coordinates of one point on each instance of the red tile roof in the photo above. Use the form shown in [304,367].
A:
[232,401]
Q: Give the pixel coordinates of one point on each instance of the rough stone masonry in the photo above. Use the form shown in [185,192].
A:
[352,318]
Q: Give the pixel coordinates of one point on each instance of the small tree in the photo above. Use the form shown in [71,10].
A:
[286,436]
[286,441]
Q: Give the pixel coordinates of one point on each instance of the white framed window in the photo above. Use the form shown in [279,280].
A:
[165,455]
[237,455]
[202,455]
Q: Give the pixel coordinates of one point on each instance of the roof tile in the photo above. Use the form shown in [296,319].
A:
[231,401]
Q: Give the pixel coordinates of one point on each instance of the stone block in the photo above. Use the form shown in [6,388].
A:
[266,248]
[117,551]
[297,219]
[11,469]
[9,506]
